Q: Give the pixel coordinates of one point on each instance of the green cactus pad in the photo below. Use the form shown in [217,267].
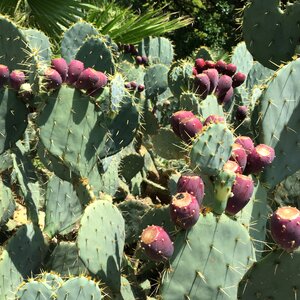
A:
[35,290]
[278,119]
[210,106]
[79,288]
[101,240]
[209,260]
[271,34]
[75,37]
[130,165]
[22,255]
[125,292]
[211,149]
[95,53]
[274,277]
[63,208]
[203,52]
[117,92]
[52,279]
[7,203]
[242,58]
[132,72]
[13,118]
[159,50]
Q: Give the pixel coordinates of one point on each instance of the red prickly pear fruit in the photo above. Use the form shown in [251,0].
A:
[195,72]
[285,227]
[199,64]
[127,85]
[242,191]
[209,64]
[157,243]
[133,85]
[61,66]
[140,88]
[238,79]
[221,65]
[16,79]
[241,113]
[213,76]
[239,155]
[192,184]
[189,128]
[100,84]
[226,98]
[260,157]
[213,119]
[52,79]
[177,117]
[133,50]
[224,84]
[126,48]
[246,142]
[145,60]
[139,60]
[202,85]
[231,165]
[230,69]
[74,70]
[184,210]
[4,75]
[87,79]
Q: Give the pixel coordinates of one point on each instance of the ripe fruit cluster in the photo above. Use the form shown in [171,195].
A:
[133,86]
[13,79]
[139,59]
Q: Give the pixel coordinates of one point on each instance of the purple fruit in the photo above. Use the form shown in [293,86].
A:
[230,69]
[209,64]
[184,210]
[139,60]
[221,66]
[157,243]
[100,84]
[224,84]
[202,85]
[133,50]
[189,128]
[238,79]
[241,113]
[242,191]
[87,79]
[126,48]
[4,75]
[16,79]
[145,60]
[195,72]
[260,157]
[133,85]
[239,155]
[74,70]
[213,76]
[246,142]
[177,117]
[192,184]
[226,98]
[61,66]
[213,119]
[285,227]
[127,85]
[232,166]
[140,88]
[199,64]
[52,79]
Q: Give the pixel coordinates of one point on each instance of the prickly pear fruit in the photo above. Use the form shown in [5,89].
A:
[242,191]
[285,227]
[260,157]
[239,155]
[145,60]
[199,64]
[87,79]
[246,142]
[232,166]
[184,210]
[221,65]
[16,79]
[100,84]
[230,69]
[241,113]
[213,119]
[195,72]
[192,184]
[139,60]
[202,85]
[133,85]
[127,85]
[238,79]
[52,79]
[224,84]
[226,98]
[177,117]
[189,128]
[74,70]
[213,76]
[61,66]
[157,243]
[133,50]
[4,75]
[209,64]
[140,88]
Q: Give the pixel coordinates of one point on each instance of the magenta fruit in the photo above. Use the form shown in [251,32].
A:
[202,85]
[61,66]
[246,142]
[209,64]
[177,117]
[195,72]
[189,128]
[260,157]
[213,76]
[133,50]
[226,98]
[242,191]
[100,84]
[239,155]
[74,70]
[184,210]
[139,60]
[213,119]
[16,79]
[145,60]
[157,243]
[127,85]
[285,227]
[192,184]
[52,79]
[232,166]
[4,75]
[199,64]
[221,66]
[230,69]
[241,113]
[133,85]
[140,88]
[224,84]
[238,79]
[87,79]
